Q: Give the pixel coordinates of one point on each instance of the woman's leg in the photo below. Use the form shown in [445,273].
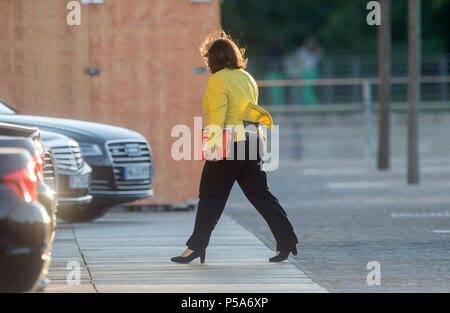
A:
[253,182]
[215,186]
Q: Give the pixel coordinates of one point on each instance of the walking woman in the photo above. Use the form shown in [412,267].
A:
[231,99]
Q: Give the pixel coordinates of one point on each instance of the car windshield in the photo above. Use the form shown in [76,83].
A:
[4,109]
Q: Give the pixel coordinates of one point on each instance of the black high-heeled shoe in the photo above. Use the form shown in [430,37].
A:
[283,255]
[190,257]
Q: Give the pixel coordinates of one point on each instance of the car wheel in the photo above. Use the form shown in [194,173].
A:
[81,214]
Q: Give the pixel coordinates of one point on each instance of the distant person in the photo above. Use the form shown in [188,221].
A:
[230,91]
[291,67]
[309,56]
[275,72]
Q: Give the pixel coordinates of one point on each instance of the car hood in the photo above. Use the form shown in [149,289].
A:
[76,129]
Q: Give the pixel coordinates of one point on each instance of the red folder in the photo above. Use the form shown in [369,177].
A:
[222,152]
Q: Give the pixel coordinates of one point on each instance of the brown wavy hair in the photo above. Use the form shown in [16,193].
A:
[220,51]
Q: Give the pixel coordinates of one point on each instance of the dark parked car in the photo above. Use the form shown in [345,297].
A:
[26,229]
[67,173]
[14,136]
[121,159]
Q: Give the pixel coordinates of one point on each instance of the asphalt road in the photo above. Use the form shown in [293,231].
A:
[346,214]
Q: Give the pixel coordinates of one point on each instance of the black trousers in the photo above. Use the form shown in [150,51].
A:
[215,186]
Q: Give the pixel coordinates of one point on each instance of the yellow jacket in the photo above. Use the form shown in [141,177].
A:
[231,97]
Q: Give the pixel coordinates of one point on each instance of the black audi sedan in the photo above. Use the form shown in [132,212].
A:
[121,159]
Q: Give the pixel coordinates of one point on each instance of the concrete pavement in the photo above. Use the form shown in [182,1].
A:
[130,252]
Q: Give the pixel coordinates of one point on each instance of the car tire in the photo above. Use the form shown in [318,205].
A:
[82,214]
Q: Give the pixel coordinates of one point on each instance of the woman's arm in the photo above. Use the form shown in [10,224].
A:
[215,104]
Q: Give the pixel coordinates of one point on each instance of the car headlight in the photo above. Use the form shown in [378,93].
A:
[88,149]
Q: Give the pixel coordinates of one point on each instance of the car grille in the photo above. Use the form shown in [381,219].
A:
[99,185]
[49,172]
[68,157]
[130,153]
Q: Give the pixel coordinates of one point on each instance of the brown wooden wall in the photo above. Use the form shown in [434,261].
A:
[145,49]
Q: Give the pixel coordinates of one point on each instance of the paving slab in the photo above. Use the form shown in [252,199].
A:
[131,251]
